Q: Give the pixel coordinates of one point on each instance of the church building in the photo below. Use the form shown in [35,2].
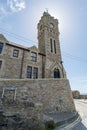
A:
[37,73]
[20,62]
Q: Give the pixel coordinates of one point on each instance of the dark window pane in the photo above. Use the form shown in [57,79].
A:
[29,72]
[0,64]
[56,73]
[54,47]
[33,56]
[15,53]
[1,47]
[35,73]
[51,45]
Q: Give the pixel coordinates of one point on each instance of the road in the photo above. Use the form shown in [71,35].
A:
[81,107]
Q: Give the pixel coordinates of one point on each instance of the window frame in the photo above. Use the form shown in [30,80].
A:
[0,64]
[35,72]
[54,46]
[1,47]
[15,53]
[29,72]
[56,73]
[51,46]
[34,56]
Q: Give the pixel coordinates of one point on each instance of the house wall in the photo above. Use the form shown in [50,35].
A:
[16,67]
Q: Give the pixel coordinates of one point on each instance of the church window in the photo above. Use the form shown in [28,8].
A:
[56,73]
[29,72]
[54,47]
[51,45]
[0,64]
[33,56]
[1,47]
[15,53]
[35,72]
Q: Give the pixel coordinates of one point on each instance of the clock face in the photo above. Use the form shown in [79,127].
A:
[51,25]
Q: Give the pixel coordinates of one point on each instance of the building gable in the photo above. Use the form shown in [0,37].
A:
[34,48]
[2,38]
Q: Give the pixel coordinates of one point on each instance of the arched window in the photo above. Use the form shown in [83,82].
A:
[56,73]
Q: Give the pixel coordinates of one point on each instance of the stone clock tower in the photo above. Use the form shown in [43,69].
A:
[48,38]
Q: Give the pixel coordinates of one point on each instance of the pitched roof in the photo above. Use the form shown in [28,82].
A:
[2,38]
[34,48]
[17,45]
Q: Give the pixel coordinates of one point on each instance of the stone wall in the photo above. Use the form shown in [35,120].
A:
[16,67]
[49,45]
[50,95]
[27,62]
[11,66]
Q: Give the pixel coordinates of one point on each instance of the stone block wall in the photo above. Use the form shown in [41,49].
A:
[50,94]
[16,67]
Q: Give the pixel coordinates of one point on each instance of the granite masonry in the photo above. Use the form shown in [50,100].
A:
[33,80]
[19,62]
[51,94]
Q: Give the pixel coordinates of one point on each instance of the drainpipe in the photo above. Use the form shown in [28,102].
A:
[22,64]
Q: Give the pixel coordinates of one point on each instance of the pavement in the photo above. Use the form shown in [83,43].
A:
[76,124]
[62,116]
[81,107]
[65,119]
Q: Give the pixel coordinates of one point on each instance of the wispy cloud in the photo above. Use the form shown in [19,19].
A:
[11,6]
[16,5]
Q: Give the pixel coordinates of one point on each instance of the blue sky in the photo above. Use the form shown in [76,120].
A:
[18,22]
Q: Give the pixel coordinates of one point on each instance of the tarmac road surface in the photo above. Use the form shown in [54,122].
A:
[81,107]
